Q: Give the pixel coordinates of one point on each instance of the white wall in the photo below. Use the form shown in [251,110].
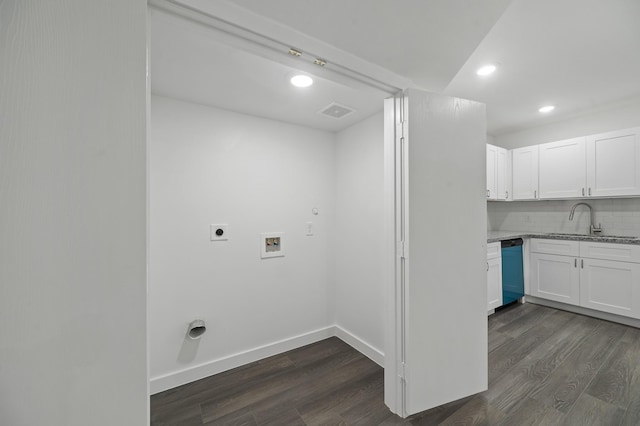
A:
[359,286]
[256,175]
[620,116]
[72,213]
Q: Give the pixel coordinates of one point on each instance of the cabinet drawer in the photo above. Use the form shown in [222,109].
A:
[561,247]
[609,251]
[493,250]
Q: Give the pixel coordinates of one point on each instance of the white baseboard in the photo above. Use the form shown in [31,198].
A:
[191,374]
[360,345]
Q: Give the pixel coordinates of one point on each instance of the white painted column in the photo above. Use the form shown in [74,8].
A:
[73,213]
[436,342]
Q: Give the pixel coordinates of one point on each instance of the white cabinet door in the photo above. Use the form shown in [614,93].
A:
[494,283]
[492,166]
[563,170]
[501,174]
[613,163]
[555,278]
[610,286]
[509,177]
[525,173]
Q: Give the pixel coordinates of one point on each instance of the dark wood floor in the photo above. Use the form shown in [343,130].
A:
[546,367]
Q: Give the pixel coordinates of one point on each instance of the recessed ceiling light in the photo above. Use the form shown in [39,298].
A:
[547,108]
[486,70]
[301,80]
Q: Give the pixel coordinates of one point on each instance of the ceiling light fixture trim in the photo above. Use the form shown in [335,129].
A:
[486,70]
[301,80]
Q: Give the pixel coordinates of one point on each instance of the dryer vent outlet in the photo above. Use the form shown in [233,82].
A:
[196,329]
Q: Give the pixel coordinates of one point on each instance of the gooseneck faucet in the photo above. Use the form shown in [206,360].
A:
[592,227]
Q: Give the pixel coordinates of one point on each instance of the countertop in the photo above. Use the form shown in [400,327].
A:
[495,236]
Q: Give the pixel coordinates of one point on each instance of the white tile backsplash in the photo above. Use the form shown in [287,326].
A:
[618,216]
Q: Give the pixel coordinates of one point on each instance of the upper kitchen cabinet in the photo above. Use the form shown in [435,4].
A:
[563,171]
[492,165]
[613,163]
[525,173]
[497,176]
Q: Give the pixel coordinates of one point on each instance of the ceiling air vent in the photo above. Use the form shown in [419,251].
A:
[336,110]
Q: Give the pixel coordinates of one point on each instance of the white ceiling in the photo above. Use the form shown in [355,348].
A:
[576,54]
[426,41]
[189,62]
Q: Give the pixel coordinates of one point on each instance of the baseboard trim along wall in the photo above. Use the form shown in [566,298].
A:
[360,345]
[191,374]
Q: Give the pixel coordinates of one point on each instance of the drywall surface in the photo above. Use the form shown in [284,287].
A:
[617,117]
[210,166]
[445,277]
[359,287]
[73,213]
[618,216]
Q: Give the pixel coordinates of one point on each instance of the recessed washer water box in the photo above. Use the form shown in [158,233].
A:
[271,245]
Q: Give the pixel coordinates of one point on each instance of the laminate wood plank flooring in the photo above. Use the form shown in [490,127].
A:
[546,367]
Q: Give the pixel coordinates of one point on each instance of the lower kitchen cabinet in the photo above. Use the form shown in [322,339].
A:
[610,286]
[494,283]
[555,277]
[584,275]
[494,276]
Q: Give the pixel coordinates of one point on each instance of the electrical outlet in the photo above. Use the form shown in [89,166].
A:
[309,228]
[219,232]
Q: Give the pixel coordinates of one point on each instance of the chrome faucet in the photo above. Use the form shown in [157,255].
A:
[592,228]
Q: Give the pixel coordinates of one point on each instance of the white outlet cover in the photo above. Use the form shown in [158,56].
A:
[215,230]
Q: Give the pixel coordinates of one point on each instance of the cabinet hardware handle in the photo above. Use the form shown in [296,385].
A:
[487,266]
[535,194]
[582,263]
[507,196]
[575,263]
[488,193]
[583,192]
[589,192]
